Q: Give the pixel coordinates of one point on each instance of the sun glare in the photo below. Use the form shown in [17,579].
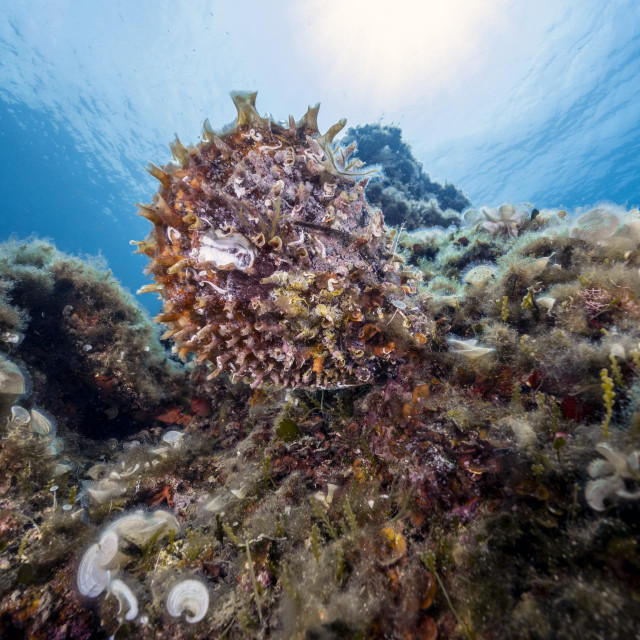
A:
[386,49]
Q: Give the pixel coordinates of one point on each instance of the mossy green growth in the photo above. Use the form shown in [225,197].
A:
[288,430]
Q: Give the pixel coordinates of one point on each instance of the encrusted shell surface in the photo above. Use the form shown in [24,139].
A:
[189,596]
[263,249]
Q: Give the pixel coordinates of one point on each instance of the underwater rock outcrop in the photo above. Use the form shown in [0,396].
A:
[406,194]
[271,264]
[92,350]
[484,484]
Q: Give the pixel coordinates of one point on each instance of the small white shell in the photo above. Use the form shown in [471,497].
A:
[232,249]
[240,493]
[126,598]
[191,596]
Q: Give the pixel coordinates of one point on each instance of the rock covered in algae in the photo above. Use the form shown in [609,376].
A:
[270,262]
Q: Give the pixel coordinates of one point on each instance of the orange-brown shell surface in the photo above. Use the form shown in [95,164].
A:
[270,263]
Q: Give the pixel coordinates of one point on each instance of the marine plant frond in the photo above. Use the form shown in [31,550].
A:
[336,161]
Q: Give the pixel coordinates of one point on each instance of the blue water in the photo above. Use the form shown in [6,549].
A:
[526,102]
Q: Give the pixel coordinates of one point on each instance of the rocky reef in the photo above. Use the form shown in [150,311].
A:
[482,483]
[83,340]
[405,192]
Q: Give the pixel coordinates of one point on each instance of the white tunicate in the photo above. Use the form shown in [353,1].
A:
[96,471]
[596,225]
[19,416]
[108,550]
[139,527]
[40,424]
[597,491]
[67,310]
[12,337]
[87,347]
[92,579]
[53,446]
[61,468]
[11,378]
[104,490]
[190,596]
[468,348]
[173,438]
[540,264]
[127,601]
[232,249]
[546,302]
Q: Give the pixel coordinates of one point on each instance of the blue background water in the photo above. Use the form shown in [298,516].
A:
[521,101]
